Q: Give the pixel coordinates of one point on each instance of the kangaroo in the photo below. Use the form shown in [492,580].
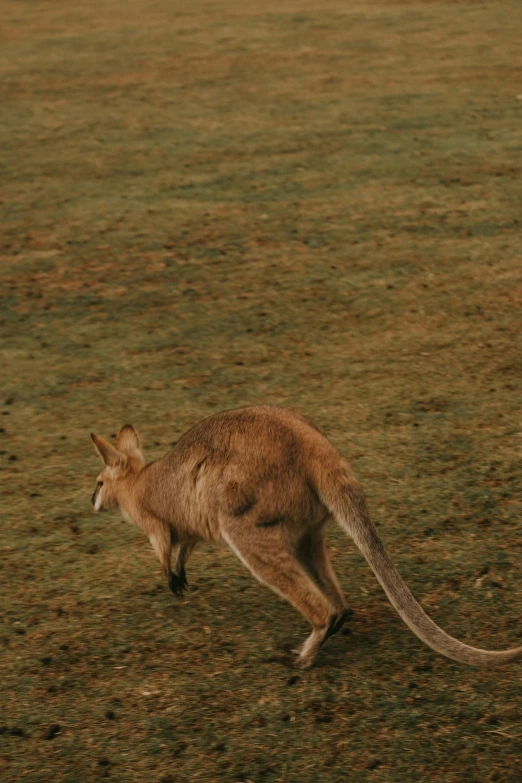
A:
[264,480]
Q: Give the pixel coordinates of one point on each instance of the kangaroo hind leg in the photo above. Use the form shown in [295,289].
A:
[273,563]
[313,555]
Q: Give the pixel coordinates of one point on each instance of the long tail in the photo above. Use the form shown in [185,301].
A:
[347,503]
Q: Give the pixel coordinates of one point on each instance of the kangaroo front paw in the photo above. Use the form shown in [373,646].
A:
[178,583]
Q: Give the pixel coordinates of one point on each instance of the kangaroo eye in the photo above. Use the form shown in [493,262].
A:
[100,484]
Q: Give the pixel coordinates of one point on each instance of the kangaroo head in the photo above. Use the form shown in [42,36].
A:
[120,463]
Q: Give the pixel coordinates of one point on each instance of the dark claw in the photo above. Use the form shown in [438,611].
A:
[337,623]
[178,583]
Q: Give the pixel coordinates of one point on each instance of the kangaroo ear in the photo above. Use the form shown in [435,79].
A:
[110,456]
[127,441]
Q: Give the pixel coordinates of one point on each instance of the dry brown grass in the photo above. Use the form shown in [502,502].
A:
[310,204]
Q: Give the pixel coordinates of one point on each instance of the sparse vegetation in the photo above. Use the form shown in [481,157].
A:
[205,205]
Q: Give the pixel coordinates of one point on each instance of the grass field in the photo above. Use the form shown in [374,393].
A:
[311,204]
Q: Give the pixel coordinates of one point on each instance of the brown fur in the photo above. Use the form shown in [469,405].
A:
[265,481]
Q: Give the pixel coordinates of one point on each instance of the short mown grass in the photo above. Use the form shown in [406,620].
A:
[210,205]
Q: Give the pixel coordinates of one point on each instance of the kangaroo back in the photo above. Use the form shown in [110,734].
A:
[345,499]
